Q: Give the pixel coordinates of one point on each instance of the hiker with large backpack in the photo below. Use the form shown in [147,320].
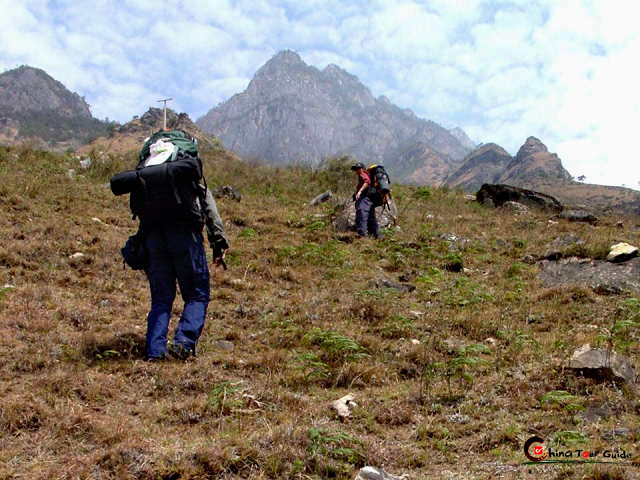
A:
[366,222]
[169,195]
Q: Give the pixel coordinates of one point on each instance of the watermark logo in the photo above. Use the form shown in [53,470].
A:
[534,449]
[537,453]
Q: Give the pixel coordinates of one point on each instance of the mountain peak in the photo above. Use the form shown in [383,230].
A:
[531,145]
[286,57]
[294,112]
[30,89]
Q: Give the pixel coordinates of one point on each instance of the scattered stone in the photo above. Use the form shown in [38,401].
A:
[453,345]
[416,313]
[7,286]
[602,364]
[372,473]
[401,287]
[86,163]
[601,276]
[621,252]
[620,224]
[344,216]
[456,243]
[227,191]
[323,197]
[552,222]
[500,194]
[559,245]
[578,216]
[415,341]
[97,220]
[458,418]
[71,173]
[470,198]
[529,259]
[344,405]
[491,341]
[611,435]
[515,207]
[224,345]
[76,256]
[594,414]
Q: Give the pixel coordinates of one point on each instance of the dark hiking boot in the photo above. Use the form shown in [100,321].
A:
[180,351]
[154,359]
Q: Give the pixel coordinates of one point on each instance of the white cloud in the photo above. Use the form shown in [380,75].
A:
[563,71]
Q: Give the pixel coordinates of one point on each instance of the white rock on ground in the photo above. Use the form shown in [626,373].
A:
[344,405]
[373,473]
[621,252]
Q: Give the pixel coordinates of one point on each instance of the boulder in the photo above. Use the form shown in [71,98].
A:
[373,473]
[621,252]
[385,283]
[578,216]
[344,216]
[226,191]
[602,364]
[323,197]
[499,194]
[456,242]
[601,276]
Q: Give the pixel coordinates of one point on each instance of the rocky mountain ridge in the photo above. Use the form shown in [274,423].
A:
[36,107]
[292,112]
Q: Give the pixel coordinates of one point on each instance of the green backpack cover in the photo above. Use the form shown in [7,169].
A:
[183,142]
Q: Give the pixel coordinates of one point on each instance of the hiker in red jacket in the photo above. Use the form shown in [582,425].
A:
[366,222]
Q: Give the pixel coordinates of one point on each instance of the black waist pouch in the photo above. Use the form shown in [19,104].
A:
[134,252]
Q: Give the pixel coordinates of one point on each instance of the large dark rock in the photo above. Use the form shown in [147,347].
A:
[602,276]
[500,194]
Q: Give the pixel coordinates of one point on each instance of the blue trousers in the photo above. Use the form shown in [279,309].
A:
[176,254]
[366,221]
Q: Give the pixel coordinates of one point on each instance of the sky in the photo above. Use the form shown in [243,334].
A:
[565,71]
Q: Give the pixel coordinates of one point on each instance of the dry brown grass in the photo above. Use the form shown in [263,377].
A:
[308,327]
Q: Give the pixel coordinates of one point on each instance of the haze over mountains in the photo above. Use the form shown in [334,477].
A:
[293,112]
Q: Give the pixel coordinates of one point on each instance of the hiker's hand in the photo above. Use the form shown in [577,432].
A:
[357,196]
[219,260]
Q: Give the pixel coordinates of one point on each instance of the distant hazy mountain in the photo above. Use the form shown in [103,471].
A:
[463,138]
[36,107]
[292,112]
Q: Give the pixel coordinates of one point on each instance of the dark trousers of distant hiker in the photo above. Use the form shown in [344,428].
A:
[366,221]
[176,254]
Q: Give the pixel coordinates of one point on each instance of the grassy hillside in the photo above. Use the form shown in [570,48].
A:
[450,379]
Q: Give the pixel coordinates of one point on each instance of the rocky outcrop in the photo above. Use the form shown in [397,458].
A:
[578,216]
[621,252]
[293,112]
[602,364]
[497,195]
[603,277]
[132,134]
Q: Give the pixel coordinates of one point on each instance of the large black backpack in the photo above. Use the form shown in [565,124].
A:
[380,189]
[167,193]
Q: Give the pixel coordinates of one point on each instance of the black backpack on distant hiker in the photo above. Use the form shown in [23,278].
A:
[380,187]
[164,187]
